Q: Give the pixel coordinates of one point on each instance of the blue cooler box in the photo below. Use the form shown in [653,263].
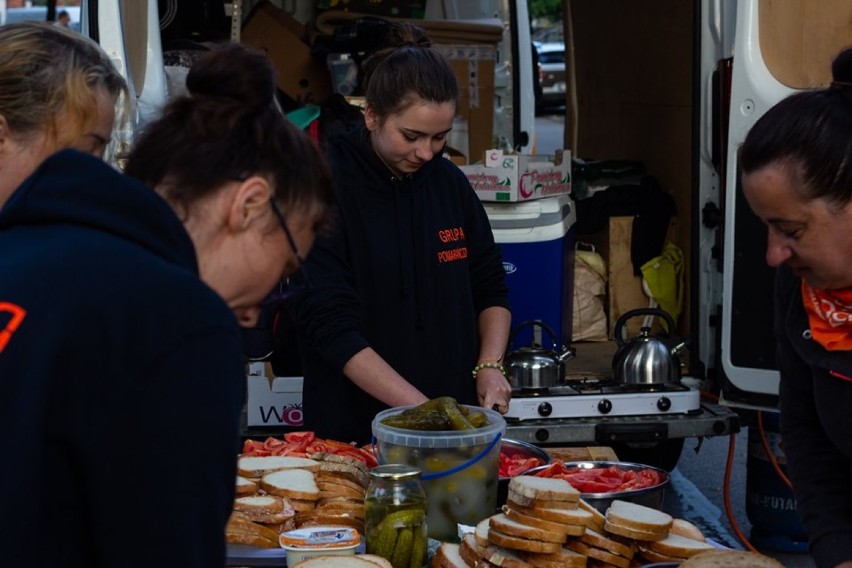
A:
[537,239]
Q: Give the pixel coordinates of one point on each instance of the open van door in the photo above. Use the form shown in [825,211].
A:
[774,56]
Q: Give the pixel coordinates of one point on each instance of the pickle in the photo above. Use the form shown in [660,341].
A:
[385,542]
[442,413]
[477,419]
[403,519]
[402,550]
[455,416]
[428,420]
[418,550]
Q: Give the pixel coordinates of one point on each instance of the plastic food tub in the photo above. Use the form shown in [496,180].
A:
[460,468]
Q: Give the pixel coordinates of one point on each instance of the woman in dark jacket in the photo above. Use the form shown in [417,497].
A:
[408,299]
[797,178]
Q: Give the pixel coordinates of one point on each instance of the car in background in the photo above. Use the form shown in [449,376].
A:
[551,74]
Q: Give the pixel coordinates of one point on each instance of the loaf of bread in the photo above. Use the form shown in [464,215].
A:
[730,559]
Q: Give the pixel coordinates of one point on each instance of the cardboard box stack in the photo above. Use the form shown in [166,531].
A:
[506,177]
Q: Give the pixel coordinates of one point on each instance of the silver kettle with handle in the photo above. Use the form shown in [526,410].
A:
[646,359]
[536,366]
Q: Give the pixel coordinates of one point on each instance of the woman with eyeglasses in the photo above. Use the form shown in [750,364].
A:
[58,89]
[122,375]
[408,299]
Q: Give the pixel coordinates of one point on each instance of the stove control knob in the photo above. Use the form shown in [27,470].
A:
[604,406]
[545,409]
[664,403]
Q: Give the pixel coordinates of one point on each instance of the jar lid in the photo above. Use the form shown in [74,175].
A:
[395,472]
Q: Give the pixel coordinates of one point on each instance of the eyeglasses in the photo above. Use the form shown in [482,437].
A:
[287,289]
[290,240]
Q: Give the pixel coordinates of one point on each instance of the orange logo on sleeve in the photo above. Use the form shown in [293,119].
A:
[15,320]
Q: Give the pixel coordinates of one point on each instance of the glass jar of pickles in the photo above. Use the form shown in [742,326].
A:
[396,515]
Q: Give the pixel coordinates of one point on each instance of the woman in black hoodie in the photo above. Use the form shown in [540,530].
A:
[408,299]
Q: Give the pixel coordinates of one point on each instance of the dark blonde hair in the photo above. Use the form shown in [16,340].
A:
[48,74]
[228,127]
[409,68]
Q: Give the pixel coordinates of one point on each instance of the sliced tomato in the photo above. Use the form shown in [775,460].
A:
[273,443]
[317,447]
[555,468]
[597,487]
[250,446]
[300,438]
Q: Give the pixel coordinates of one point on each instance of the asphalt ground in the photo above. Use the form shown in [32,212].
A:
[697,494]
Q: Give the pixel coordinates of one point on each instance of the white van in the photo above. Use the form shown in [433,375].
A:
[135,34]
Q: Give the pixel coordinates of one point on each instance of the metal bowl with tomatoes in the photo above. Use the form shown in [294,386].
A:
[517,457]
[602,482]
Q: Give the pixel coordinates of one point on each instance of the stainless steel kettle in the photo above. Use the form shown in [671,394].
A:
[536,367]
[646,359]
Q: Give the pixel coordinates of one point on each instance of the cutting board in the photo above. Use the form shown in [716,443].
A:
[587,453]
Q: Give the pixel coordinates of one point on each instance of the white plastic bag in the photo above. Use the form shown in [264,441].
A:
[589,322]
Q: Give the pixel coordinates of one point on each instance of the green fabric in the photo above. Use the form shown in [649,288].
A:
[664,276]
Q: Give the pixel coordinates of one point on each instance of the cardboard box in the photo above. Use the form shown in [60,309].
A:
[474,69]
[304,78]
[275,401]
[520,177]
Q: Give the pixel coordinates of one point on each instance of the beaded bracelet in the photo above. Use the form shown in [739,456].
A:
[488,365]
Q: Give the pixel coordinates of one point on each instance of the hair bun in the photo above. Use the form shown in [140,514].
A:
[841,69]
[244,75]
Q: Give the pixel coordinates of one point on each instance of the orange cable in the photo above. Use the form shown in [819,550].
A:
[727,496]
[770,455]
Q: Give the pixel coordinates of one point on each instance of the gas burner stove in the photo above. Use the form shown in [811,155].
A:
[590,397]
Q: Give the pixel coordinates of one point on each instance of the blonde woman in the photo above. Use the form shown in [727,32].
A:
[57,90]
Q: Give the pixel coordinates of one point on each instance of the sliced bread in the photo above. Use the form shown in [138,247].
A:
[683,527]
[598,554]
[470,550]
[261,504]
[679,546]
[448,555]
[339,478]
[638,517]
[730,559]
[354,561]
[240,530]
[524,544]
[622,546]
[292,483]
[246,486]
[627,532]
[257,466]
[330,489]
[576,516]
[565,558]
[480,532]
[516,515]
[543,488]
[541,503]
[598,518]
[504,524]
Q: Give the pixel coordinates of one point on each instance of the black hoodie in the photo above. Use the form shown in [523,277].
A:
[121,378]
[410,267]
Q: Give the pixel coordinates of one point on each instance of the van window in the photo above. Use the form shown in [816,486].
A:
[39,14]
